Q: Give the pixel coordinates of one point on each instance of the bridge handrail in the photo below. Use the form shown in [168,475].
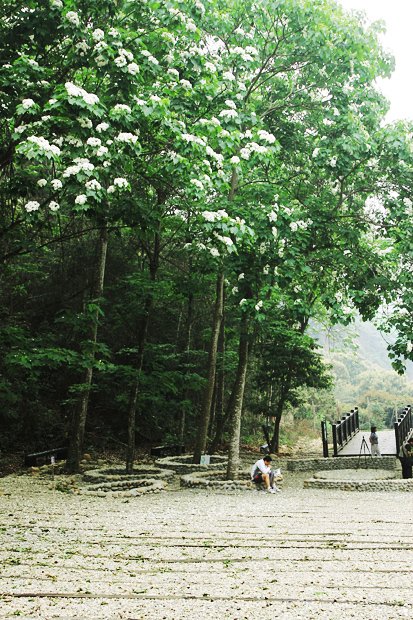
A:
[403,427]
[345,429]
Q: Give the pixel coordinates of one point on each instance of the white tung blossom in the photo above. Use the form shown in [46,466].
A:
[28,103]
[133,68]
[73,18]
[41,182]
[56,184]
[93,185]
[121,183]
[44,145]
[54,206]
[94,141]
[77,91]
[81,199]
[98,34]
[121,107]
[32,205]
[126,138]
[102,127]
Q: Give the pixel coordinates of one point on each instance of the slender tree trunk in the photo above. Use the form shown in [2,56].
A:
[142,337]
[201,440]
[236,412]
[275,439]
[80,414]
[187,348]
[220,417]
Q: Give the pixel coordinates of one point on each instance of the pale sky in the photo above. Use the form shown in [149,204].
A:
[398,16]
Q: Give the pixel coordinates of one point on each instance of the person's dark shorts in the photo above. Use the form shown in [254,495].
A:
[257,479]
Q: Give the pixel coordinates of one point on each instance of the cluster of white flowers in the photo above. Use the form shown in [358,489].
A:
[214,252]
[81,199]
[210,67]
[32,205]
[73,18]
[333,162]
[127,138]
[316,152]
[82,47]
[98,35]
[85,122]
[234,160]
[81,164]
[56,184]
[77,91]
[197,183]
[93,185]
[242,301]
[266,136]
[228,76]
[231,113]
[41,182]
[259,305]
[102,150]
[93,141]
[188,137]
[185,84]
[133,68]
[240,51]
[149,57]
[120,108]
[54,206]
[226,240]
[121,183]
[27,104]
[44,145]
[102,127]
[214,216]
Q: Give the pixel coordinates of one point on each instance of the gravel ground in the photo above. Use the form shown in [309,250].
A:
[185,554]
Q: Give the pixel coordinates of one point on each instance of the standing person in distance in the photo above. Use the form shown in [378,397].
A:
[374,442]
[261,472]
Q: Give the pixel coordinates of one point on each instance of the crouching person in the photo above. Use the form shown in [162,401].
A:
[261,472]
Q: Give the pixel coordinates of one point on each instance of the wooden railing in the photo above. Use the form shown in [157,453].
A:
[345,429]
[403,427]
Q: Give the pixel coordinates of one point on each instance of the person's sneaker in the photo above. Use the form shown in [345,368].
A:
[275,489]
[272,490]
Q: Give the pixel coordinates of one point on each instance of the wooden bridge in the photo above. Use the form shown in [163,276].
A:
[348,437]
[387,444]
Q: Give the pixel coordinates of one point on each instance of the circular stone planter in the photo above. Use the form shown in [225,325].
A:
[216,480]
[184,465]
[128,488]
[115,474]
[358,480]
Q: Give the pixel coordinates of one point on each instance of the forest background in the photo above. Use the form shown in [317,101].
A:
[190,193]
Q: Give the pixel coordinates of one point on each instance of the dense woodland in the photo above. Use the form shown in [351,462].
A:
[184,188]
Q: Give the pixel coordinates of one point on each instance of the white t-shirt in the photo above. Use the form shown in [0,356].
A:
[264,469]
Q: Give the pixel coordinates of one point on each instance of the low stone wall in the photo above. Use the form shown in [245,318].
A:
[184,465]
[114,474]
[348,462]
[216,480]
[360,485]
[128,488]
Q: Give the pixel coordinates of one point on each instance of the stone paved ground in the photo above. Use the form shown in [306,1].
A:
[194,554]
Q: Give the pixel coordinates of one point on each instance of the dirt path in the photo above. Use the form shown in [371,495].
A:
[190,554]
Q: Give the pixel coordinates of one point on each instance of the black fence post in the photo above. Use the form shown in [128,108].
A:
[324,438]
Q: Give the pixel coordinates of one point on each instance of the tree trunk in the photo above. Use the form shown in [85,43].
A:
[275,439]
[236,412]
[220,417]
[80,413]
[187,348]
[142,337]
[202,435]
